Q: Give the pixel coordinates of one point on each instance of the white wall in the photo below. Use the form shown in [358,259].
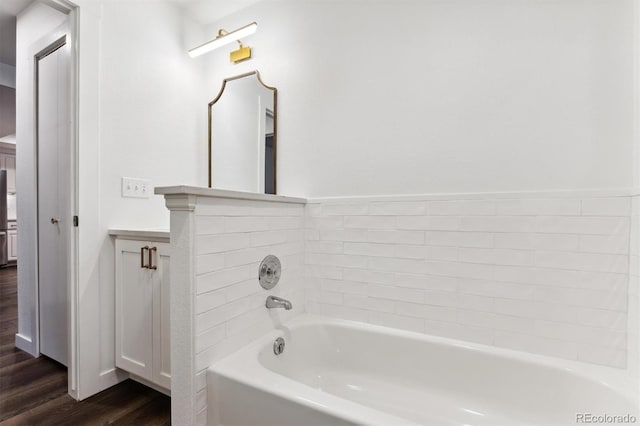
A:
[413,97]
[148,121]
[153,118]
[140,115]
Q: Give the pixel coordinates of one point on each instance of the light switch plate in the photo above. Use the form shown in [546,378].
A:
[136,188]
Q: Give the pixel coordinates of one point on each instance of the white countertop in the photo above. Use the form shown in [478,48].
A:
[141,234]
[223,193]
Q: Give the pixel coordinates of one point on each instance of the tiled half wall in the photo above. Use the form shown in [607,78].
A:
[548,275]
[231,239]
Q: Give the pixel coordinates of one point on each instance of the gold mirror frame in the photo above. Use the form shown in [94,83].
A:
[275,124]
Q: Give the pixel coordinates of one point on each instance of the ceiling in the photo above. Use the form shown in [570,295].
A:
[13,7]
[8,11]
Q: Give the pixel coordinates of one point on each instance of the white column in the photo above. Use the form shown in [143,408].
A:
[182,311]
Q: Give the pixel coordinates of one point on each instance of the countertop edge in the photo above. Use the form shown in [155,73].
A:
[223,193]
[159,234]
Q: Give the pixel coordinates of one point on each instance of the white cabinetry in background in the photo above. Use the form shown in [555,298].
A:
[142,310]
[12,245]
[8,162]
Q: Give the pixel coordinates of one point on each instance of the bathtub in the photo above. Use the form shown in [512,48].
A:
[335,372]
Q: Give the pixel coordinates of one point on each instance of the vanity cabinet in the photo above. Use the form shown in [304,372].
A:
[142,310]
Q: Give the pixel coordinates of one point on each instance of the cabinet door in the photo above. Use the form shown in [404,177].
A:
[161,327]
[10,165]
[134,309]
[12,245]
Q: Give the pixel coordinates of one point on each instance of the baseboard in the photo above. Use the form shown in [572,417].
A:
[150,384]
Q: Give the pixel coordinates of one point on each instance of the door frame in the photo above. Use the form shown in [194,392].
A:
[68,31]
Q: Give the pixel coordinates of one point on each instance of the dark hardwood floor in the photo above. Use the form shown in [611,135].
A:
[33,391]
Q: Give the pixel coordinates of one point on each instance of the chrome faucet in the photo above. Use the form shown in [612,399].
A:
[277,302]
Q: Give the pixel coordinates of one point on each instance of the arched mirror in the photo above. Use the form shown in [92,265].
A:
[243,135]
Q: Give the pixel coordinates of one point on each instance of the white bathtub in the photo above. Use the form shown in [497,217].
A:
[336,372]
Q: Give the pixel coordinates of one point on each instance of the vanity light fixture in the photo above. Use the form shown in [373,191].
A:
[225,37]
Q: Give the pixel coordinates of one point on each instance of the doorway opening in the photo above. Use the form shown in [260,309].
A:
[47,182]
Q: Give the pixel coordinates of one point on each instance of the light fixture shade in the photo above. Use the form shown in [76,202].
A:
[223,40]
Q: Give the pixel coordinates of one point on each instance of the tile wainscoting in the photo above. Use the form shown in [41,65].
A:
[542,275]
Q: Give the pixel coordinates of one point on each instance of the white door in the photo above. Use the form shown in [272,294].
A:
[54,202]
[134,308]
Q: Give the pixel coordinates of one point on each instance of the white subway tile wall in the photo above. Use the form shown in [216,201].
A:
[546,275]
[232,238]
[633,343]
[555,276]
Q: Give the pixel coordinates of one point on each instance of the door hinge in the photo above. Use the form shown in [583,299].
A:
[75,221]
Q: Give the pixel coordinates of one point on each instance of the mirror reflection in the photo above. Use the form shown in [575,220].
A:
[242,135]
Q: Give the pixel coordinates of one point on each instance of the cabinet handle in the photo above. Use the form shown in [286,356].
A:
[151,251]
[142,265]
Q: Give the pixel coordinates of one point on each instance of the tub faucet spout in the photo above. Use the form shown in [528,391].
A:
[277,302]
